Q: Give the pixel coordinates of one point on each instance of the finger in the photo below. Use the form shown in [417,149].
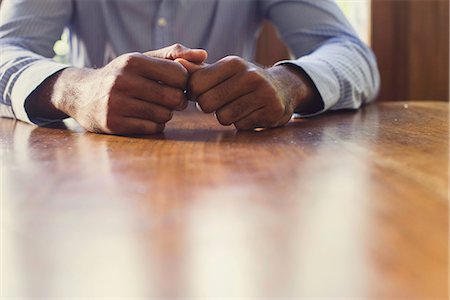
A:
[179,51]
[163,70]
[154,92]
[133,126]
[227,91]
[238,109]
[251,121]
[262,118]
[190,66]
[139,109]
[143,127]
[197,56]
[211,75]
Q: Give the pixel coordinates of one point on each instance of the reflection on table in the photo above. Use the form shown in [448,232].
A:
[349,204]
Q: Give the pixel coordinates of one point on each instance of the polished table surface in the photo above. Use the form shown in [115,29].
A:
[345,205]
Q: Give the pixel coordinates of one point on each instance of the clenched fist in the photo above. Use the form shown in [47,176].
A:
[134,94]
[248,96]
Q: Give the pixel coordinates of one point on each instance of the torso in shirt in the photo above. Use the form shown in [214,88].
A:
[103,29]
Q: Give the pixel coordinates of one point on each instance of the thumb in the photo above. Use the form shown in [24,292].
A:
[190,66]
[179,51]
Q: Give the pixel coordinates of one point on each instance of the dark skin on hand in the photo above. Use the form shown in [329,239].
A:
[136,94]
[248,96]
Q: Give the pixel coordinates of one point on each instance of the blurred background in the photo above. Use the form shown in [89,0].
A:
[409,37]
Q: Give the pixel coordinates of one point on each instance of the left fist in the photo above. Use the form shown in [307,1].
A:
[242,93]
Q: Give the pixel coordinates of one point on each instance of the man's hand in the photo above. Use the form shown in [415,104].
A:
[248,96]
[134,94]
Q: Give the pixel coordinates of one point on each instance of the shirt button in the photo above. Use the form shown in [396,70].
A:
[162,22]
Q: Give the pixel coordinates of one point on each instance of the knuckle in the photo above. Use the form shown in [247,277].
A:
[159,128]
[158,114]
[113,125]
[183,77]
[166,116]
[120,82]
[205,105]
[234,61]
[167,96]
[161,115]
[152,128]
[193,84]
[179,76]
[223,118]
[176,99]
[130,61]
[177,47]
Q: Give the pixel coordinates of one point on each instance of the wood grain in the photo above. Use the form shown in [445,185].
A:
[349,204]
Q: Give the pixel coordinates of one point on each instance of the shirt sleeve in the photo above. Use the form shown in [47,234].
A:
[28,31]
[343,69]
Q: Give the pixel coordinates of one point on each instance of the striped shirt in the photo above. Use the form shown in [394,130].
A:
[322,41]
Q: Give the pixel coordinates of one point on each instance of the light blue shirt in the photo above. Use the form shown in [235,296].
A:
[323,42]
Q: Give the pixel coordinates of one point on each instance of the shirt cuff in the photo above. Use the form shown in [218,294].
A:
[27,82]
[323,78]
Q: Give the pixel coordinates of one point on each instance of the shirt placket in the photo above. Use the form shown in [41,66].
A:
[162,24]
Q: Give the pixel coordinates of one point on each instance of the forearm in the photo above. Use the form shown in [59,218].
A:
[41,103]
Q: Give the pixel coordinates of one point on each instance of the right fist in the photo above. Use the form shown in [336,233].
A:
[135,93]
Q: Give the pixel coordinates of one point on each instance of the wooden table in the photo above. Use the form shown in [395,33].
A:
[348,204]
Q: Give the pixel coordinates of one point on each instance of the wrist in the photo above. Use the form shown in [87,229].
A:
[69,90]
[58,96]
[39,104]
[298,87]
